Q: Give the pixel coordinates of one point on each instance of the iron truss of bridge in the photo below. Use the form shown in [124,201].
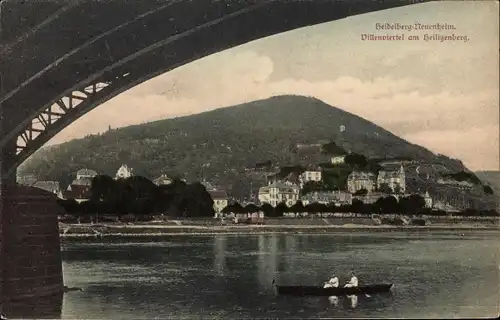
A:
[60,59]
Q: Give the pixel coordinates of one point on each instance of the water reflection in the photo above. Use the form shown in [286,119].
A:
[354,300]
[48,307]
[220,248]
[268,261]
[334,300]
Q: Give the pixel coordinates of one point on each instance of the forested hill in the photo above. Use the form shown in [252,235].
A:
[226,141]
[492,178]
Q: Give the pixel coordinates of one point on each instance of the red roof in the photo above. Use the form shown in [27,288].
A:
[216,194]
[79,192]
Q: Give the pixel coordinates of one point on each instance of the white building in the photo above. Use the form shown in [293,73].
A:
[337,198]
[336,160]
[86,174]
[310,176]
[358,180]
[221,200]
[276,193]
[428,199]
[163,180]
[124,172]
[393,177]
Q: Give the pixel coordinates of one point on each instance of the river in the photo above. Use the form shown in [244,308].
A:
[435,274]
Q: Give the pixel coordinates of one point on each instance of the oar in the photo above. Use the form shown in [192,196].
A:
[366,294]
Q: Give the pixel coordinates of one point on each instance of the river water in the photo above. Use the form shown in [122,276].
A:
[229,276]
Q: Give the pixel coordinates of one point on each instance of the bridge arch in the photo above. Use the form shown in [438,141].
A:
[43,96]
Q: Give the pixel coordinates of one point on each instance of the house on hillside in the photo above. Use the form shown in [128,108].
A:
[221,200]
[392,176]
[293,178]
[79,189]
[124,172]
[337,198]
[451,202]
[276,193]
[310,175]
[342,198]
[163,180]
[359,180]
[338,160]
[370,197]
[427,199]
[81,182]
[86,174]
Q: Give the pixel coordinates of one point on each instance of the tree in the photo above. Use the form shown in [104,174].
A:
[387,204]
[297,207]
[357,206]
[398,189]
[103,188]
[316,207]
[416,203]
[194,201]
[361,192]
[251,208]
[264,165]
[487,190]
[356,160]
[268,209]
[234,208]
[69,205]
[384,188]
[280,209]
[332,149]
[464,176]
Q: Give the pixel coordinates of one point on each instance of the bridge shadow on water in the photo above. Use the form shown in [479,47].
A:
[48,307]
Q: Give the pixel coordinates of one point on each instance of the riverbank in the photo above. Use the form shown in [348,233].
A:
[113,230]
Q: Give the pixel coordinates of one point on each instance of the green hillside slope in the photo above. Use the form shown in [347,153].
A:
[219,144]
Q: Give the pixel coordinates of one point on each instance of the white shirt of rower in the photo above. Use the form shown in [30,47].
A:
[354,281]
[334,282]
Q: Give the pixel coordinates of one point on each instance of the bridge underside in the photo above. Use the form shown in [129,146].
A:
[75,55]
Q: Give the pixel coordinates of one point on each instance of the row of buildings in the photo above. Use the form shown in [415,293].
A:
[80,188]
[392,177]
[288,189]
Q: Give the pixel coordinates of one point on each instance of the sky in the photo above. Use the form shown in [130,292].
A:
[441,95]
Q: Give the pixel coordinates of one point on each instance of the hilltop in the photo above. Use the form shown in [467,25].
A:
[221,145]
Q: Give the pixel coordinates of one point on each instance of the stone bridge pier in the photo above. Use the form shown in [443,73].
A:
[31,281]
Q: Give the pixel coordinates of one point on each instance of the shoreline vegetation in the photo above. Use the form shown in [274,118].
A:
[316,226]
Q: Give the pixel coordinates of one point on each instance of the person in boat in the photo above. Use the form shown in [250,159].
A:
[332,283]
[353,282]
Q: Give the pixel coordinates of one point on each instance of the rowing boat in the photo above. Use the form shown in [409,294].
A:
[339,291]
